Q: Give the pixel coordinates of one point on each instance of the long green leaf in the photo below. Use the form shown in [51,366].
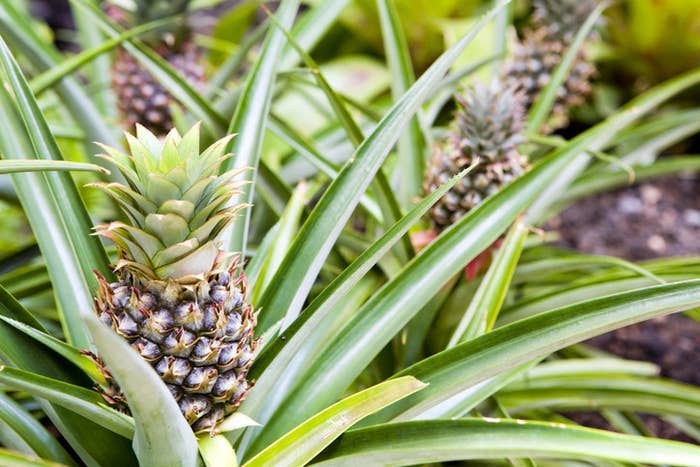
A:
[453,371]
[95,445]
[315,240]
[70,353]
[33,433]
[411,443]
[597,137]
[85,402]
[18,31]
[411,159]
[598,181]
[53,75]
[249,121]
[15,166]
[480,315]
[162,436]
[14,459]
[310,28]
[60,222]
[285,359]
[304,442]
[397,302]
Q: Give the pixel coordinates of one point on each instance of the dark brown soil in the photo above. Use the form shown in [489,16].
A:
[650,220]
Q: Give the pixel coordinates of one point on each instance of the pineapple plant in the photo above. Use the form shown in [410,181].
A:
[140,97]
[355,324]
[543,45]
[485,131]
[180,299]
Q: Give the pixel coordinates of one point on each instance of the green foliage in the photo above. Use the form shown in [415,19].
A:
[373,351]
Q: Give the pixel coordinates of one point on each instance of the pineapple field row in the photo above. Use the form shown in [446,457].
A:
[349,232]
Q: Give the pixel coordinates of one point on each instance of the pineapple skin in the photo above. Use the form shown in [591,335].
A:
[180,300]
[141,99]
[198,338]
[541,49]
[487,127]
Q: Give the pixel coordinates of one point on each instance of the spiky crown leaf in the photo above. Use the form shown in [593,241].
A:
[562,18]
[489,120]
[176,202]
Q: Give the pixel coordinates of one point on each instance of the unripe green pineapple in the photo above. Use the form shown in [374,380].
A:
[140,97]
[487,127]
[536,56]
[180,299]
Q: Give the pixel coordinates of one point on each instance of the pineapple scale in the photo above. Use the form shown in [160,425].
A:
[198,338]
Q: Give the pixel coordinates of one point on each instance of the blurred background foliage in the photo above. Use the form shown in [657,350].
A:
[644,43]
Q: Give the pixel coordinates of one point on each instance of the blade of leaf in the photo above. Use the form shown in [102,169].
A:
[14,459]
[454,370]
[217,451]
[249,121]
[85,402]
[311,27]
[280,367]
[18,30]
[411,159]
[298,272]
[397,301]
[53,75]
[94,444]
[68,225]
[481,313]
[33,433]
[14,166]
[161,70]
[70,353]
[444,440]
[304,442]
[162,436]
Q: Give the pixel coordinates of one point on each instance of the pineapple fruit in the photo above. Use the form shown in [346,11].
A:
[487,127]
[554,26]
[180,300]
[140,98]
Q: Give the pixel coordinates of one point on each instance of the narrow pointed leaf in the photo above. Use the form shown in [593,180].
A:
[249,121]
[162,436]
[298,272]
[33,433]
[85,402]
[304,442]
[411,158]
[14,166]
[411,443]
[459,368]
[64,233]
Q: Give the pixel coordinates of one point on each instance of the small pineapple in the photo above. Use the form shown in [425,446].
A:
[180,300]
[140,98]
[487,127]
[534,59]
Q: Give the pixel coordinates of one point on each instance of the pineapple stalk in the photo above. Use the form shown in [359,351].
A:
[180,299]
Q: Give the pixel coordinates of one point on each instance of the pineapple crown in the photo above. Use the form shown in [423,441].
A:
[489,120]
[176,202]
[562,18]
